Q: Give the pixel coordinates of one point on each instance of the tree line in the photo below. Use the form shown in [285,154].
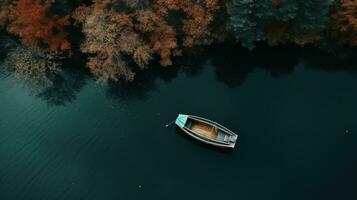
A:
[120,37]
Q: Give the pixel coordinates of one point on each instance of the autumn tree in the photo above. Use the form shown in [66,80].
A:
[37,26]
[343,25]
[120,31]
[33,65]
[162,37]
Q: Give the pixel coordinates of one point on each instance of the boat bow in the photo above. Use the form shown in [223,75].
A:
[181,120]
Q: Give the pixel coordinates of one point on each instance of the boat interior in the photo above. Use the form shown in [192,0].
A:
[202,129]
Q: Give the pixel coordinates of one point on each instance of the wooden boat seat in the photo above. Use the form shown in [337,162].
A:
[204,130]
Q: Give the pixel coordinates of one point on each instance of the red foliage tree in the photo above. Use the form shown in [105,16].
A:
[33,22]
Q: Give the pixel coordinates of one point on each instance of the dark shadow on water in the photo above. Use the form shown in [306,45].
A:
[189,139]
[67,84]
[146,80]
[233,64]
[6,43]
[61,88]
[143,84]
[192,62]
[316,59]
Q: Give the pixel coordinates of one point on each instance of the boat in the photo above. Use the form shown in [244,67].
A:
[206,131]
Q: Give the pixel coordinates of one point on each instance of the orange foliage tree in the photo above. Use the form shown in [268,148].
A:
[34,23]
[162,37]
[113,35]
[343,24]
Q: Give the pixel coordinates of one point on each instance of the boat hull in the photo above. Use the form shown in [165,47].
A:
[206,131]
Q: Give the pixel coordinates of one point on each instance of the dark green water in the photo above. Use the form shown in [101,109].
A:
[80,140]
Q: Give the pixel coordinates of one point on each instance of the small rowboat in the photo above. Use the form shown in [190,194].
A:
[206,131]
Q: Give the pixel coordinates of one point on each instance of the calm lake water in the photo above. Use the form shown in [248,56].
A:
[295,113]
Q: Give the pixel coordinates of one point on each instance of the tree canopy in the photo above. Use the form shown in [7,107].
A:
[277,21]
[120,37]
[33,22]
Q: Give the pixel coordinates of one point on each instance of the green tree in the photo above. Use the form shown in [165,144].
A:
[277,20]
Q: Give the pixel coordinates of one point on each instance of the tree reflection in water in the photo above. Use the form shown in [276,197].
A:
[232,66]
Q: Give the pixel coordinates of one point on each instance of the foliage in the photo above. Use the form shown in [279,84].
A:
[343,25]
[32,64]
[118,29]
[4,13]
[112,35]
[197,16]
[34,23]
[247,20]
[123,36]
[297,21]
[310,19]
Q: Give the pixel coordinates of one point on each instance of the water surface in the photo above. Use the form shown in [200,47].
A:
[79,140]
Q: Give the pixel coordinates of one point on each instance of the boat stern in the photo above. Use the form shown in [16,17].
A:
[181,120]
[233,140]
